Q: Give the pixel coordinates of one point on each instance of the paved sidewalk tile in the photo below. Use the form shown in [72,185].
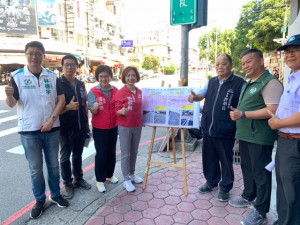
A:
[163,201]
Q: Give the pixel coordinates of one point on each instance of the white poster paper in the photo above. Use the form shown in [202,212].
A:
[169,107]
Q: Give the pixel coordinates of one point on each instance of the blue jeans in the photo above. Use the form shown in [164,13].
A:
[34,144]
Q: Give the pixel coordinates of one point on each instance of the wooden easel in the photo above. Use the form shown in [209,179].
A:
[149,162]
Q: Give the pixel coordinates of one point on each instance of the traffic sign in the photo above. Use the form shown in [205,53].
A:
[283,28]
[183,12]
[126,43]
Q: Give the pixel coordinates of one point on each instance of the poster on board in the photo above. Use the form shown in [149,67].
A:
[169,107]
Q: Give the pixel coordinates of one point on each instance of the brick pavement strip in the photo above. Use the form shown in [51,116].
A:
[164,202]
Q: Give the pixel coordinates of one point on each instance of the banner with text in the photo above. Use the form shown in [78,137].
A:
[18,17]
[169,107]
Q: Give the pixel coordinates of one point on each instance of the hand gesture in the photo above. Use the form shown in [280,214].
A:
[191,96]
[95,108]
[73,105]
[273,121]
[235,114]
[124,111]
[9,90]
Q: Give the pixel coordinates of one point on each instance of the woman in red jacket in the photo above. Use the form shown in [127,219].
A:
[101,102]
[129,116]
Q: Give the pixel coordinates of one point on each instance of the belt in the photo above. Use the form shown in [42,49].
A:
[289,136]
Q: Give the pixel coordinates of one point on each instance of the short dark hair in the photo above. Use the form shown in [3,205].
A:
[127,70]
[256,51]
[35,44]
[227,56]
[103,68]
[69,57]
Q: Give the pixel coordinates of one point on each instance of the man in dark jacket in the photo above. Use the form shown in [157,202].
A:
[74,127]
[220,94]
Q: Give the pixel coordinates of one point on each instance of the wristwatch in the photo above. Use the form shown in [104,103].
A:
[53,118]
[243,115]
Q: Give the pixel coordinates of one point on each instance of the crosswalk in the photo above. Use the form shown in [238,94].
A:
[18,150]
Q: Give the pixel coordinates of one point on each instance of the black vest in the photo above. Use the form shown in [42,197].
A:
[74,120]
[216,120]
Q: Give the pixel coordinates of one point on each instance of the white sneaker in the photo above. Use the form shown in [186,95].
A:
[136,179]
[100,186]
[113,179]
[128,185]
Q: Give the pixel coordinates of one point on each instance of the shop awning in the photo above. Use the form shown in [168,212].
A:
[109,63]
[13,59]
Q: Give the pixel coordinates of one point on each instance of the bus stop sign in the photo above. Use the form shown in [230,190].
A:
[183,12]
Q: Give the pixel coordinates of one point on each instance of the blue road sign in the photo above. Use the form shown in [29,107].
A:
[126,43]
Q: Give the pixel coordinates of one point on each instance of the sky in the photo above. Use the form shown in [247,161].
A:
[142,15]
[147,15]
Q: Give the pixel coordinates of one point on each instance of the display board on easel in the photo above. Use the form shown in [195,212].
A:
[169,107]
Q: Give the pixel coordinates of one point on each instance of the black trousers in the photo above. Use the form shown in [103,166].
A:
[257,180]
[287,165]
[105,159]
[71,142]
[217,158]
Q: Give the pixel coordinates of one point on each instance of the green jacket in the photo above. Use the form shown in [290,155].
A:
[254,130]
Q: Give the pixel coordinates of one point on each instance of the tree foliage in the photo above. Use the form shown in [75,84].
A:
[151,62]
[259,24]
[268,26]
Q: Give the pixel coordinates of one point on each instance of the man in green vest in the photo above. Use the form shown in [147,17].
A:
[256,138]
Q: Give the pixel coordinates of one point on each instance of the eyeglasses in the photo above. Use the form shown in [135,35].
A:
[291,51]
[36,54]
[72,65]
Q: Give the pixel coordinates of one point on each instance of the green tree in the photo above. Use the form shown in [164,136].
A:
[268,26]
[241,41]
[151,62]
[224,44]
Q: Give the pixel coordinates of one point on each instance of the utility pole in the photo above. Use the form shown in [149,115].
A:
[281,74]
[216,48]
[184,64]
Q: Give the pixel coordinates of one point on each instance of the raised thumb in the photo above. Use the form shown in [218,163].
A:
[8,82]
[232,109]
[73,99]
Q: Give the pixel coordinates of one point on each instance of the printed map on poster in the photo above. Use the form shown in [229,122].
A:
[169,107]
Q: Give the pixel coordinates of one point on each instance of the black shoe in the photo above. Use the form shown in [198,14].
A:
[37,210]
[223,196]
[81,184]
[69,191]
[206,188]
[60,201]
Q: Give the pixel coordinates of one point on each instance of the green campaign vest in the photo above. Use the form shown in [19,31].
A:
[254,130]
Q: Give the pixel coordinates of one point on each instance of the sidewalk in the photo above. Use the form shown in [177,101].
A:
[163,201]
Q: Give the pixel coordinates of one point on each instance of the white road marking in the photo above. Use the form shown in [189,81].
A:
[17,150]
[4,111]
[8,131]
[87,152]
[5,119]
